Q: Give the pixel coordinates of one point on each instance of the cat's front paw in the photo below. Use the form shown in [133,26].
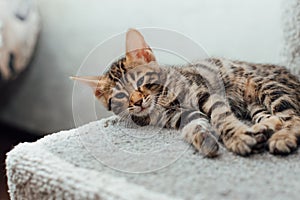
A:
[200,136]
[263,130]
[242,142]
[261,133]
[206,144]
[282,142]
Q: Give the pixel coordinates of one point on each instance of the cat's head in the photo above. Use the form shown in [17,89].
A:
[132,84]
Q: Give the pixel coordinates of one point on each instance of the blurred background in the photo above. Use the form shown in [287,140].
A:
[35,91]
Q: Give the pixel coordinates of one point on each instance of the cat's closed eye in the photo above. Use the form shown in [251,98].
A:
[140,82]
[120,95]
[151,86]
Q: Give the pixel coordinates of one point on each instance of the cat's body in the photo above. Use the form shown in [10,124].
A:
[213,95]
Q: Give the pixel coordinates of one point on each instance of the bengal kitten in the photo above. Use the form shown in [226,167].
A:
[191,99]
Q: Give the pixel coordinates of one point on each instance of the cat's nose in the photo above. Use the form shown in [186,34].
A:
[139,102]
[136,98]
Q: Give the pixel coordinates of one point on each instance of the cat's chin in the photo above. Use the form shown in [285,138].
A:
[143,112]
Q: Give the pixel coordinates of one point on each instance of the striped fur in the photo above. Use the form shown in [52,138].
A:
[178,96]
[213,99]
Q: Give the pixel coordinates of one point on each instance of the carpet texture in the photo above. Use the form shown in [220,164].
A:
[291,30]
[110,160]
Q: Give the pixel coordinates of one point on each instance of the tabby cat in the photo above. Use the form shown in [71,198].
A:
[190,98]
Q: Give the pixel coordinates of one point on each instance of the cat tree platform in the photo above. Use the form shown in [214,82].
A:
[65,165]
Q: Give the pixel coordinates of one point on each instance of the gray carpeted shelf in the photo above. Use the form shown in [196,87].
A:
[78,164]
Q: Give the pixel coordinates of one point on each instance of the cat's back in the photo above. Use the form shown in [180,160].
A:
[239,71]
[236,75]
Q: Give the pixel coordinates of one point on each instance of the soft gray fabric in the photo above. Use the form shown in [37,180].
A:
[63,166]
[291,30]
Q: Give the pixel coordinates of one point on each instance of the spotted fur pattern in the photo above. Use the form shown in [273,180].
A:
[245,106]
[186,99]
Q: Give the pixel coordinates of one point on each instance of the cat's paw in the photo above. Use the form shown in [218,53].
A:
[242,142]
[273,123]
[282,142]
[261,133]
[206,144]
[263,130]
[202,139]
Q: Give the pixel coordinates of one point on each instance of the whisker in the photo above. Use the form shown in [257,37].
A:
[123,116]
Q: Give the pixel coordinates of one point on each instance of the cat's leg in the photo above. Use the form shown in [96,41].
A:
[200,134]
[285,140]
[236,136]
[196,130]
[265,124]
[263,119]
[281,102]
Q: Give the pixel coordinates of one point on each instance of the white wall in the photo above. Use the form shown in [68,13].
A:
[239,29]
[242,29]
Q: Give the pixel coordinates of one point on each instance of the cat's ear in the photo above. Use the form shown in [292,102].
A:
[99,84]
[137,50]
